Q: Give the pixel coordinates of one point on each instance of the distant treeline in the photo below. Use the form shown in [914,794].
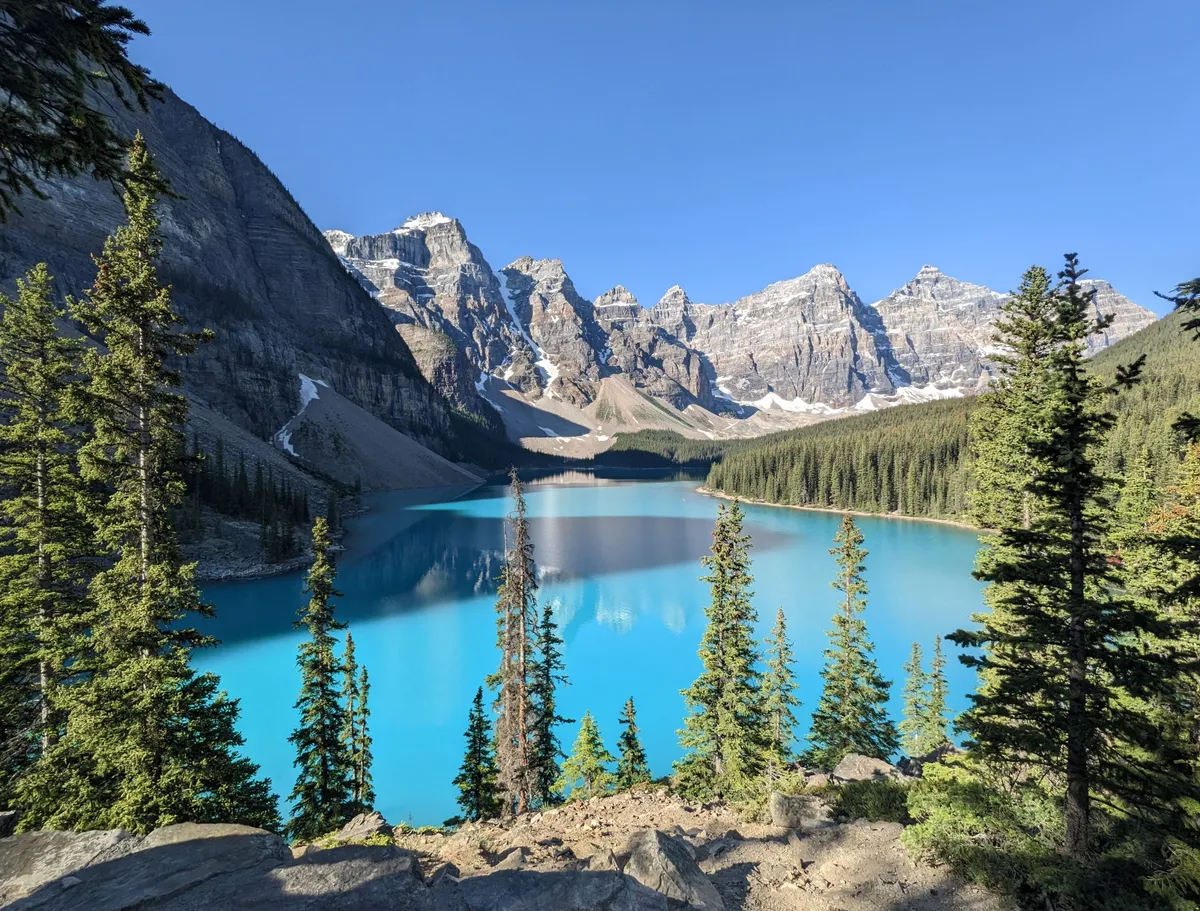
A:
[911,459]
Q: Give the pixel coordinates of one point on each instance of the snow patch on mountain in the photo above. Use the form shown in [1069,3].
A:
[423,222]
[308,395]
[544,365]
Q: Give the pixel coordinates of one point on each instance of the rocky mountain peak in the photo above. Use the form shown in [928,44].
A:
[338,240]
[674,297]
[424,221]
[617,296]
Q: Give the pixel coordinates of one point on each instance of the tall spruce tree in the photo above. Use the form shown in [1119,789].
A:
[478,792]
[1062,660]
[933,734]
[779,691]
[851,716]
[45,539]
[916,704]
[146,741]
[545,748]
[631,761]
[516,636]
[725,732]
[585,773]
[356,738]
[323,784]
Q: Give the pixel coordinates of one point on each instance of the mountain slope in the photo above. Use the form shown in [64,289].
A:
[244,260]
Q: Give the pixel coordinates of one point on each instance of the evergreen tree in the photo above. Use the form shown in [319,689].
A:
[478,793]
[585,772]
[56,121]
[724,731]
[915,723]
[516,633]
[43,535]
[545,749]
[933,733]
[146,742]
[1062,664]
[851,716]
[356,738]
[631,764]
[323,786]
[779,691]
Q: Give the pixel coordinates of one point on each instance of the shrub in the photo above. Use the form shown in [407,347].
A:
[877,800]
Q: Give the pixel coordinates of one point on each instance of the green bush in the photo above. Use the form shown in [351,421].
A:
[877,800]
[1003,831]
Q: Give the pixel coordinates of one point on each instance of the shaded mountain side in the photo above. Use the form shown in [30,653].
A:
[244,260]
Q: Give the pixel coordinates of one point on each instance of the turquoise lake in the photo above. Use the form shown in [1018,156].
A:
[620,561]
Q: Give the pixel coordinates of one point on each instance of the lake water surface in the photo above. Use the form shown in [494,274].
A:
[620,561]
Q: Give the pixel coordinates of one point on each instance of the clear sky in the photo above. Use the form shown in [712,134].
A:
[723,146]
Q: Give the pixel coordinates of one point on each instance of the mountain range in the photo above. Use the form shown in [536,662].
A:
[336,352]
[803,349]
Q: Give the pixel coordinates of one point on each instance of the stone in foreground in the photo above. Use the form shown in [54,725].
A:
[663,864]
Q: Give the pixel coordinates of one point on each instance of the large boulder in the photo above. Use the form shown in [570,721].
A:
[801,811]
[8,823]
[192,867]
[665,865]
[856,767]
[362,827]
[35,860]
[566,891]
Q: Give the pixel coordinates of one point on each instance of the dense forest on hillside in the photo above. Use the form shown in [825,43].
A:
[914,459]
[910,459]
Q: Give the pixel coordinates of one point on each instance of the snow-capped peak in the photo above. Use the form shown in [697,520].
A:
[338,240]
[424,221]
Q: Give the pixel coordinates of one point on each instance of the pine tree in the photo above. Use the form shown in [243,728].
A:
[516,631]
[545,748]
[323,785]
[356,738]
[631,764]
[933,733]
[724,731]
[585,773]
[57,121]
[1062,657]
[478,793]
[44,537]
[779,691]
[851,716]
[146,741]
[915,723]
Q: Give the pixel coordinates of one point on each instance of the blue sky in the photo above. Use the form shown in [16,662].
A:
[723,146]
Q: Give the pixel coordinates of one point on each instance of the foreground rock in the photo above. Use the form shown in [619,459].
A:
[667,866]
[189,867]
[803,811]
[642,851]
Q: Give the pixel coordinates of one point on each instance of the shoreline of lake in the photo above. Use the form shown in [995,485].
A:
[721,495]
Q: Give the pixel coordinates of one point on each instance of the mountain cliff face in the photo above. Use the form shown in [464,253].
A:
[244,260]
[807,345]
